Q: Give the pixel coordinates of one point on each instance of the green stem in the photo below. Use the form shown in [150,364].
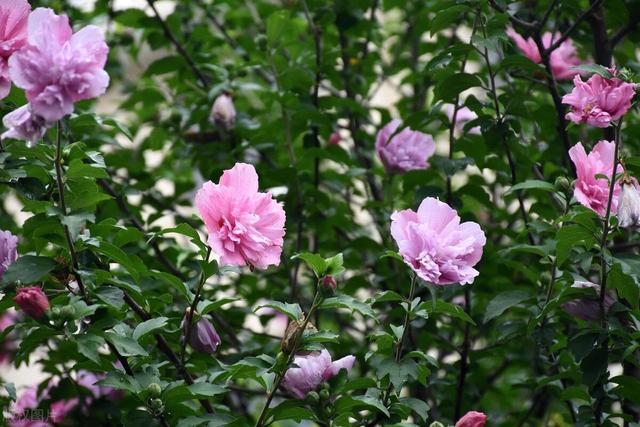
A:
[192,309]
[317,300]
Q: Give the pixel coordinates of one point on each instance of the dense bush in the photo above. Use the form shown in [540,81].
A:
[357,212]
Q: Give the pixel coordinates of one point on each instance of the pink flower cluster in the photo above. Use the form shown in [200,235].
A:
[312,369]
[59,409]
[246,227]
[562,59]
[434,243]
[599,101]
[592,190]
[56,68]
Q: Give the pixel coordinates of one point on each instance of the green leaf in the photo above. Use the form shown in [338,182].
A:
[206,306]
[451,86]
[149,326]
[532,184]
[348,302]
[444,307]
[314,261]
[129,262]
[289,410]
[398,372]
[293,311]
[503,302]
[625,284]
[203,389]
[569,237]
[125,345]
[89,346]
[594,69]
[334,265]
[445,18]
[111,295]
[28,269]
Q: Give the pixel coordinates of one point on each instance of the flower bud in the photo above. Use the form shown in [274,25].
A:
[223,112]
[8,250]
[436,424]
[328,283]
[334,139]
[313,396]
[628,204]
[202,335]
[32,301]
[67,312]
[472,419]
[563,185]
[156,405]
[324,395]
[154,390]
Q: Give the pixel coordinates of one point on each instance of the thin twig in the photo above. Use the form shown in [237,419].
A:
[176,43]
[464,357]
[584,15]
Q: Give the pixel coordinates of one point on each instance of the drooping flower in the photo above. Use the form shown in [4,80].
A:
[32,301]
[14,15]
[245,226]
[407,150]
[57,68]
[562,59]
[463,116]
[472,419]
[203,337]
[591,188]
[8,250]
[588,307]
[436,245]
[311,370]
[24,125]
[599,100]
[8,344]
[223,112]
[628,204]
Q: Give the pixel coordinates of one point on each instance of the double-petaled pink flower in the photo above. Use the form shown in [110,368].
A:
[246,227]
[312,369]
[14,15]
[57,68]
[599,100]
[562,59]
[472,419]
[591,190]
[436,245]
[407,150]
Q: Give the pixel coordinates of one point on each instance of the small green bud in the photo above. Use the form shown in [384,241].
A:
[156,405]
[54,313]
[324,395]
[436,424]
[154,390]
[563,185]
[312,396]
[67,312]
[281,358]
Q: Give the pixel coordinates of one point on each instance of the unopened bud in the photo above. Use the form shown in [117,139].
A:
[628,204]
[329,283]
[154,390]
[32,301]
[562,185]
[156,405]
[334,139]
[223,112]
[313,396]
[67,312]
[201,334]
[436,424]
[324,395]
